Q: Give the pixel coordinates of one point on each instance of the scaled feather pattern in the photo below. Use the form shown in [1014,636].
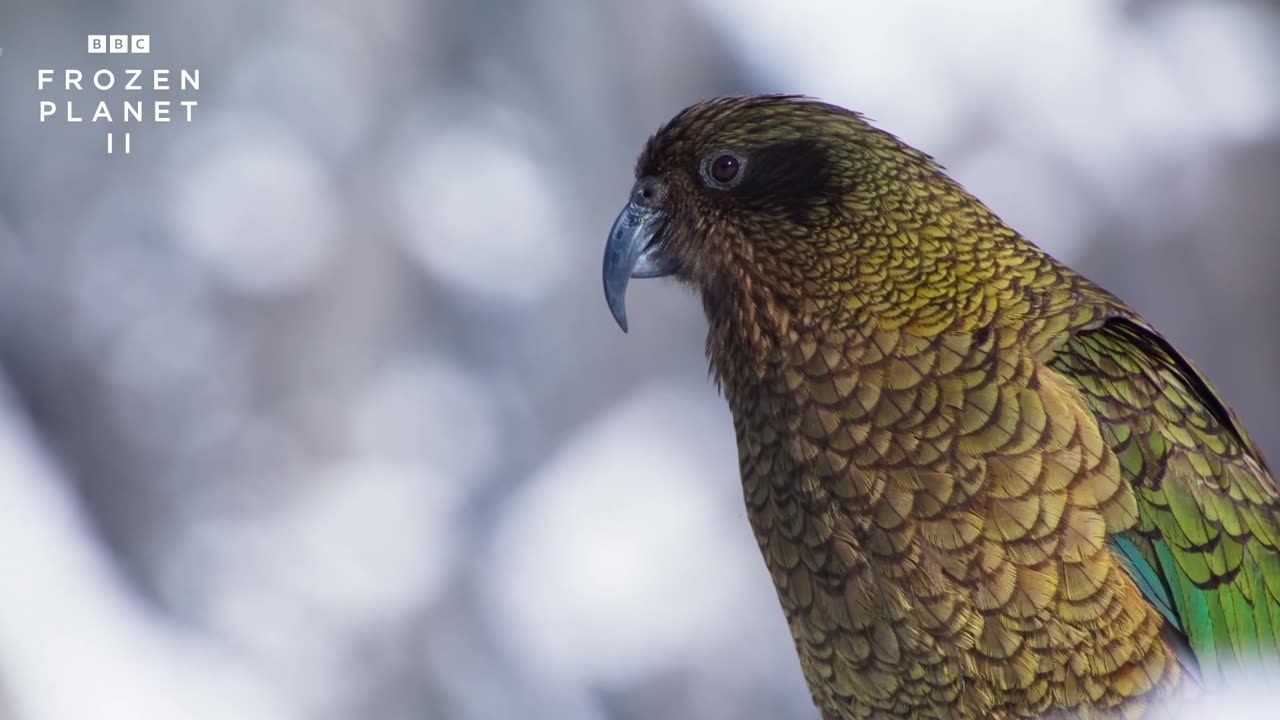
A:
[984,487]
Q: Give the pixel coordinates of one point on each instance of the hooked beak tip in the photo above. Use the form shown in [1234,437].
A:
[617,300]
[616,279]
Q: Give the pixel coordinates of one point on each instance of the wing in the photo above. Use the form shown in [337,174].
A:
[1206,549]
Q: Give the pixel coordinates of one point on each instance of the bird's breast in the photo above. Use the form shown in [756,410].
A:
[914,505]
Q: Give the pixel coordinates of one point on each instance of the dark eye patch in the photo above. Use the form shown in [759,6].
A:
[790,175]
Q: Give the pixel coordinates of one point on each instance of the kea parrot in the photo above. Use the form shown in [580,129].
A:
[983,486]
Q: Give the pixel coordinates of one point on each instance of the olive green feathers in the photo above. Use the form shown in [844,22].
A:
[983,486]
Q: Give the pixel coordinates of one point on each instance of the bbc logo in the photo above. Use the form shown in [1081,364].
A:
[136,44]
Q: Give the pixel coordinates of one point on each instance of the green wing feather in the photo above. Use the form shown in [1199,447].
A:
[1206,549]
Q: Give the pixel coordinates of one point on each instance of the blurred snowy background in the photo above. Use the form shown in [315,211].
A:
[312,408]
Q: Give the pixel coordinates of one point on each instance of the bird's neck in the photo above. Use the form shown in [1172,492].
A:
[937,285]
[753,319]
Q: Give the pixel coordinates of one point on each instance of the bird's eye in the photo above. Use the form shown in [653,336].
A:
[723,169]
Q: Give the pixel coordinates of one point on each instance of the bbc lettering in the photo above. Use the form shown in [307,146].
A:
[135,44]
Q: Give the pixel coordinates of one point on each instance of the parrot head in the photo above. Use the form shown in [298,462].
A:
[783,195]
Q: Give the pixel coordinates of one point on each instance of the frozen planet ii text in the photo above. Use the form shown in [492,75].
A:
[168,92]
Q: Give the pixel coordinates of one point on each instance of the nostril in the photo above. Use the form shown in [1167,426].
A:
[647,192]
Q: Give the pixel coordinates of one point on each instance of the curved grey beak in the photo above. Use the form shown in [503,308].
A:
[632,252]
